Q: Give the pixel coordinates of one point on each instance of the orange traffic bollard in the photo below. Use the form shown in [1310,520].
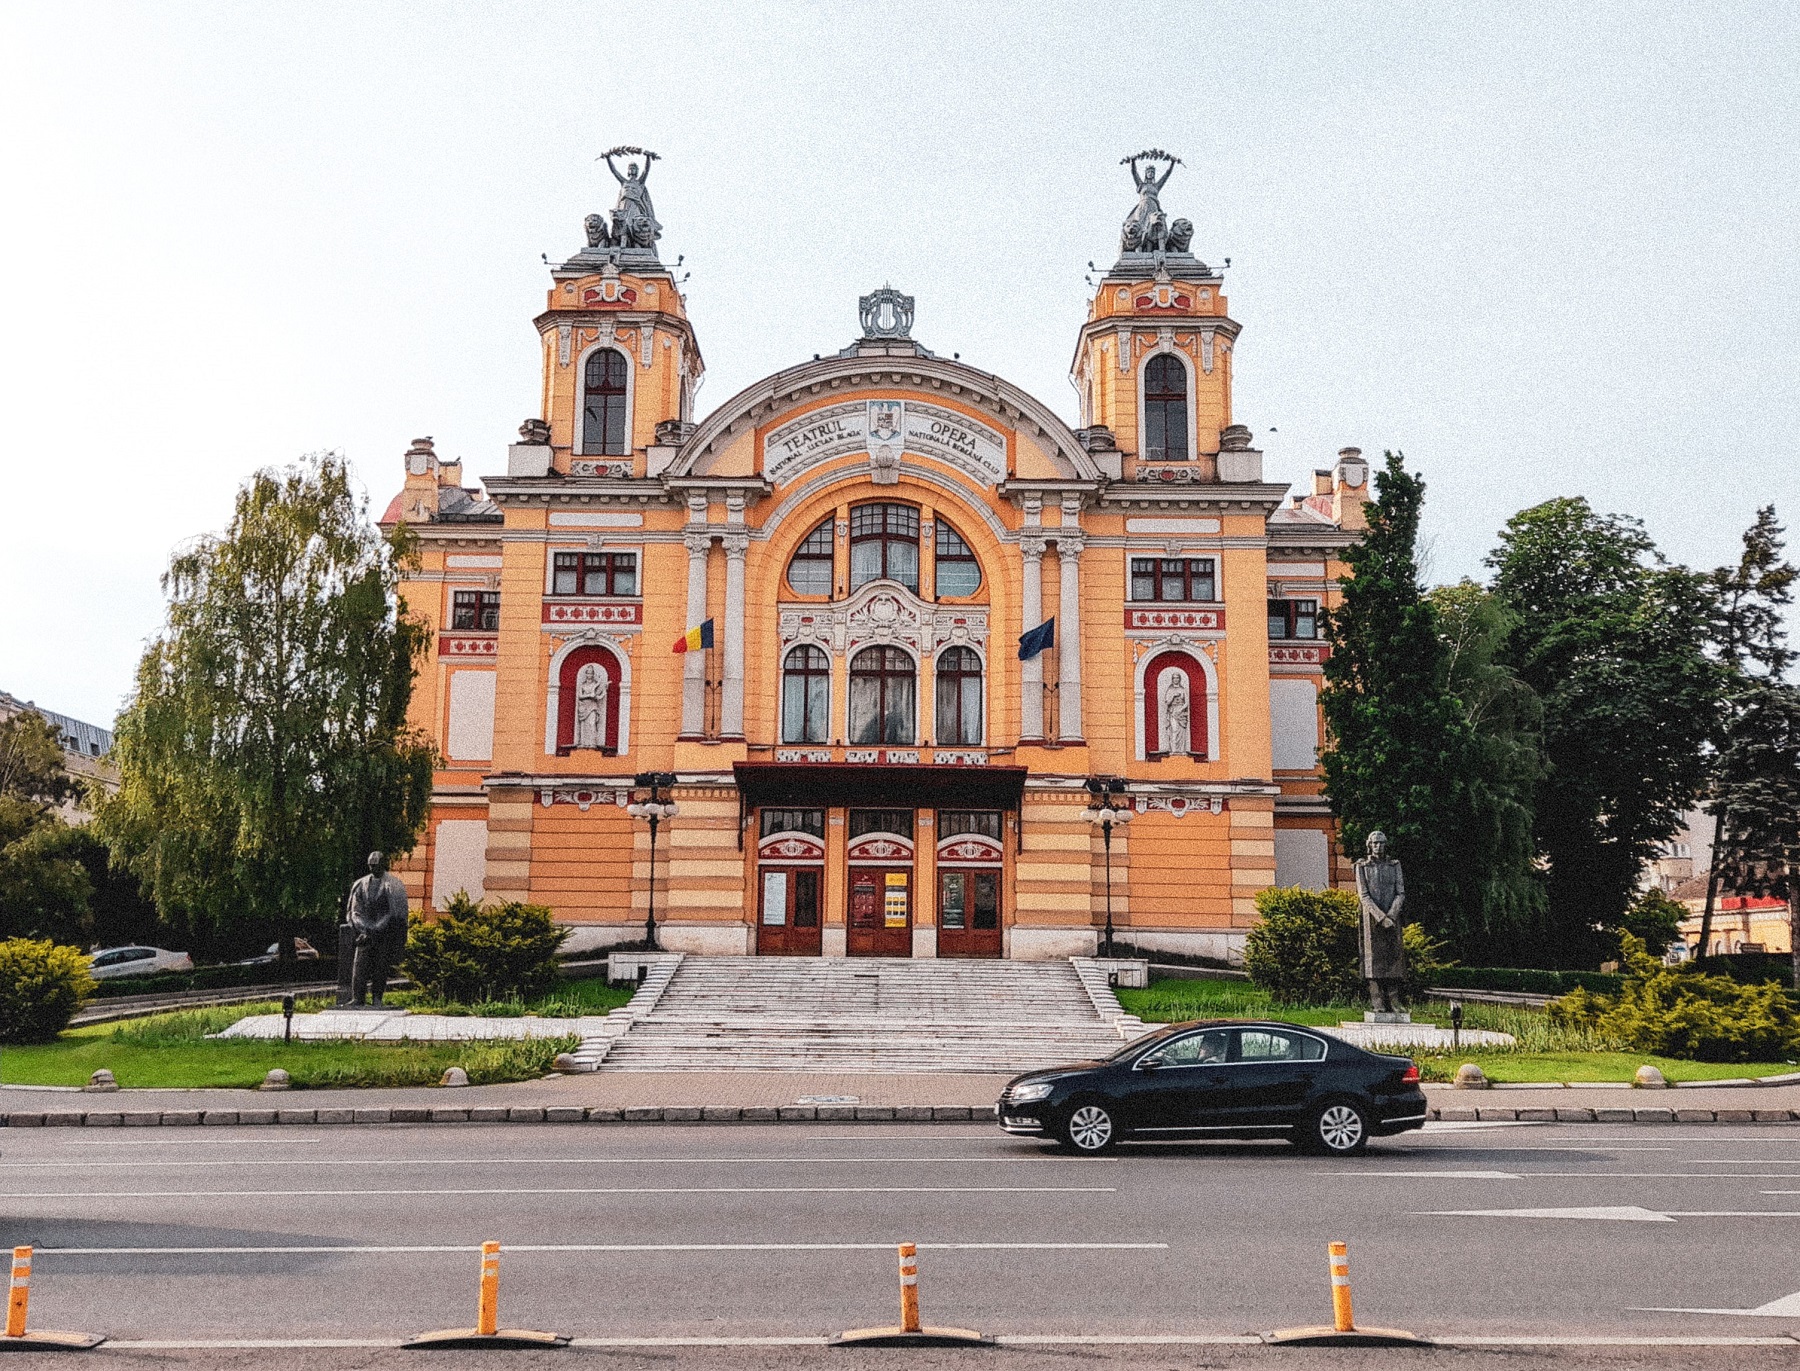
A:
[910,1333]
[1343,1330]
[1341,1315]
[18,1302]
[487,1331]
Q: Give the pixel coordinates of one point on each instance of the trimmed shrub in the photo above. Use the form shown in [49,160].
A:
[473,953]
[1307,948]
[41,987]
[1683,1012]
[1525,980]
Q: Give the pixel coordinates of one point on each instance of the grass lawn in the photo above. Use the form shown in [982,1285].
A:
[1545,1051]
[570,1000]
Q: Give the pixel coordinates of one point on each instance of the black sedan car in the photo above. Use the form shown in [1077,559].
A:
[1215,1079]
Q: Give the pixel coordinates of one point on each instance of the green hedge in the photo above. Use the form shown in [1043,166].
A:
[41,987]
[220,978]
[1525,981]
[1750,967]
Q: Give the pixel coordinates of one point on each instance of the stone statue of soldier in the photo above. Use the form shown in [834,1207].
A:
[376,910]
[1381,890]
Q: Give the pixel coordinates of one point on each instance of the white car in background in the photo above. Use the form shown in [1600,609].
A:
[136,961]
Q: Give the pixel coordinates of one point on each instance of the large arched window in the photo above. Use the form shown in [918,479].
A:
[884,544]
[1165,410]
[958,698]
[603,404]
[809,573]
[806,696]
[958,573]
[883,696]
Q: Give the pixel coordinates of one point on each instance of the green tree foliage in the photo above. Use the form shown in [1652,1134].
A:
[1305,948]
[44,889]
[41,987]
[1755,782]
[265,751]
[1682,1012]
[1611,640]
[477,952]
[1407,753]
[1654,920]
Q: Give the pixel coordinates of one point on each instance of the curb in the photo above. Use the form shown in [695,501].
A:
[786,1113]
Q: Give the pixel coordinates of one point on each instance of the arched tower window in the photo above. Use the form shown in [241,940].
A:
[809,573]
[806,696]
[1165,410]
[603,404]
[958,698]
[884,688]
[958,573]
[884,544]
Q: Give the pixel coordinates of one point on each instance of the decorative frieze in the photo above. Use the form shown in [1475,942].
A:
[1179,805]
[468,647]
[803,754]
[960,759]
[581,797]
[592,612]
[1183,475]
[1162,619]
[620,471]
[1298,654]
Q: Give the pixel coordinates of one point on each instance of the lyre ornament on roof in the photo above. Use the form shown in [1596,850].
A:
[1147,229]
[887,314]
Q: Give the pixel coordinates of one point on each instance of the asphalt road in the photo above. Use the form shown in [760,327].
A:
[371,1233]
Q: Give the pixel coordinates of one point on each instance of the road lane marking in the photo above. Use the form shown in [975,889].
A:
[1625,1213]
[1028,1159]
[1004,1339]
[578,1190]
[431,1248]
[1787,1307]
[1434,1175]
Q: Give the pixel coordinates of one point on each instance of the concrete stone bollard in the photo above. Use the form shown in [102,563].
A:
[277,1079]
[101,1082]
[1471,1077]
[454,1075]
[1649,1078]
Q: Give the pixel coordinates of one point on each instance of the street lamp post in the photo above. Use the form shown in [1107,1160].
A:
[655,809]
[1107,815]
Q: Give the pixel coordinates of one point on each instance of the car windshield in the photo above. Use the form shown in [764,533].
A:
[1138,1044]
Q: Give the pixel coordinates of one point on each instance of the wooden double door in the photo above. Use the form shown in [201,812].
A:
[881,912]
[968,912]
[789,911]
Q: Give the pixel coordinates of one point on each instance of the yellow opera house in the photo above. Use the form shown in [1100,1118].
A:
[882,657]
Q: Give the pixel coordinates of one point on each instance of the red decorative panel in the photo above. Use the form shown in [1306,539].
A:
[791,847]
[607,293]
[469,646]
[1171,301]
[567,680]
[1299,654]
[573,611]
[969,849]
[1162,663]
[1158,617]
[881,847]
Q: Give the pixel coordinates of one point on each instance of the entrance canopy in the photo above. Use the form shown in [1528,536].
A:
[805,785]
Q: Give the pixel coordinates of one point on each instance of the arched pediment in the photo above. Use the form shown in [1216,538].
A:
[788,423]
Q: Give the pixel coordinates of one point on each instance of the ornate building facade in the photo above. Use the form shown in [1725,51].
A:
[865,757]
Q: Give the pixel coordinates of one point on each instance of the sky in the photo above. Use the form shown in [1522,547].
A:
[1543,250]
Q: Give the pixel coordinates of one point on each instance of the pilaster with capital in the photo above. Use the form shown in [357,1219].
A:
[1068,635]
[1031,674]
[731,711]
[693,665]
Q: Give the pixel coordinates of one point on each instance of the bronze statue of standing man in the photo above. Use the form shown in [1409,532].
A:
[376,910]
[1381,890]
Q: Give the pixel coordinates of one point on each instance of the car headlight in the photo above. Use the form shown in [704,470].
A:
[1024,1094]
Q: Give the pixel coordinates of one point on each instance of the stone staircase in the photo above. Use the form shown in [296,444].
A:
[837,1014]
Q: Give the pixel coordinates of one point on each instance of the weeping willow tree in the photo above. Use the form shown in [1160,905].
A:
[265,750]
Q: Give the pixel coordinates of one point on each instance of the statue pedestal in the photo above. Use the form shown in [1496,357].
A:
[346,961]
[1383,1016]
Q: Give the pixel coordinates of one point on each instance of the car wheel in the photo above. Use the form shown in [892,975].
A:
[1089,1127]
[1337,1128]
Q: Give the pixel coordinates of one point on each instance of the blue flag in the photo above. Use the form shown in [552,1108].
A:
[1037,640]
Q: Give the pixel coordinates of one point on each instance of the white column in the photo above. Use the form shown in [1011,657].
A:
[1031,674]
[731,711]
[693,665]
[1068,636]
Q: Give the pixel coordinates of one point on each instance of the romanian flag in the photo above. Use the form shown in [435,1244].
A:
[701,637]
[1040,639]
